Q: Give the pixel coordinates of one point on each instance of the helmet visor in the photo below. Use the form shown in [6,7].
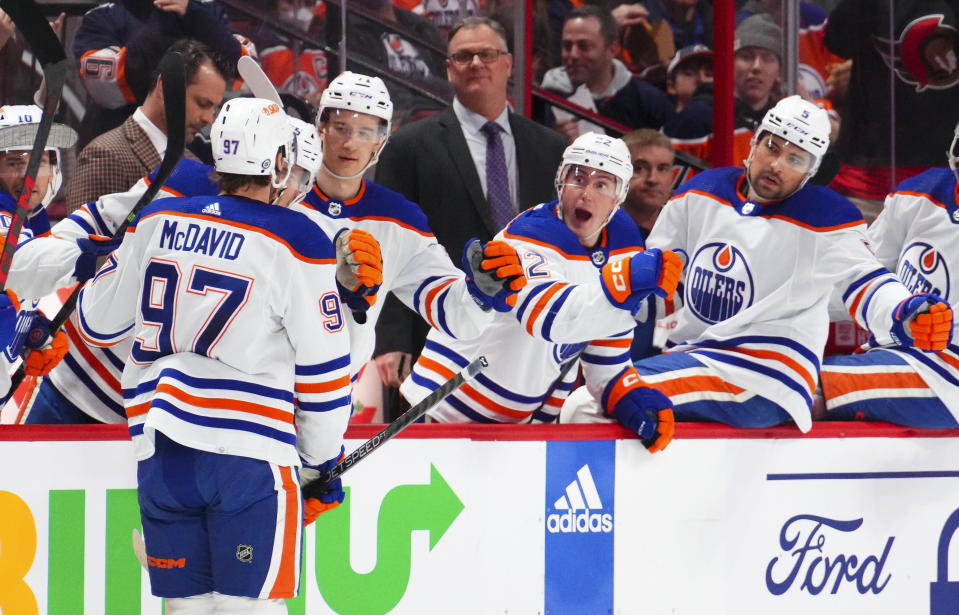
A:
[581,178]
[791,155]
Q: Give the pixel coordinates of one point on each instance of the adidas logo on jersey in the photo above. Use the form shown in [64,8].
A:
[578,506]
[212,209]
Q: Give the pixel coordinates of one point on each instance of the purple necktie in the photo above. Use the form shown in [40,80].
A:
[497,179]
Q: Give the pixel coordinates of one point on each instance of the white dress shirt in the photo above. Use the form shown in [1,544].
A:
[472,124]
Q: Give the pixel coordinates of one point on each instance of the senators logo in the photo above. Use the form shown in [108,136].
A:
[719,283]
[922,269]
[924,55]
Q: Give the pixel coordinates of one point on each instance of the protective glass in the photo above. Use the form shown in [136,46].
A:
[486,56]
[795,159]
[579,178]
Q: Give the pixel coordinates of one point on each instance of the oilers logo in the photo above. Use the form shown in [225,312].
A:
[923,269]
[719,284]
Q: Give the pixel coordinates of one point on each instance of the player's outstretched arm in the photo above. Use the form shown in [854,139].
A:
[627,281]
[494,275]
[641,409]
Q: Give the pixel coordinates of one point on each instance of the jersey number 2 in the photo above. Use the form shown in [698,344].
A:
[158,308]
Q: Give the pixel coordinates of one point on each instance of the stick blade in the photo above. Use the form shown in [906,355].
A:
[259,84]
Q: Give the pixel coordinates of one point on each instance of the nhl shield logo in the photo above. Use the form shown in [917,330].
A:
[244,553]
[335,209]
[598,257]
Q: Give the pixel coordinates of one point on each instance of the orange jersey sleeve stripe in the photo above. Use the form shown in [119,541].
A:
[428,303]
[625,342]
[77,343]
[322,387]
[541,305]
[433,366]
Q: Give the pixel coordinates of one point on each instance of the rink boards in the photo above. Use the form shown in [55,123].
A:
[565,520]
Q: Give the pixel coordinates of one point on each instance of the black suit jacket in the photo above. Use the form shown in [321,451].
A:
[429,163]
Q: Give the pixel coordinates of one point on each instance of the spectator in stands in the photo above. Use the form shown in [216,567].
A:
[690,68]
[757,74]
[114,161]
[7,29]
[591,76]
[690,20]
[298,68]
[470,167]
[652,181]
[119,44]
[923,106]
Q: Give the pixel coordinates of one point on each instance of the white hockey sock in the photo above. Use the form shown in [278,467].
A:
[202,604]
[237,605]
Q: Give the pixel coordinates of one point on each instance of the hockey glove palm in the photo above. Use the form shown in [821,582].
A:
[641,409]
[493,274]
[9,306]
[923,321]
[45,352]
[359,268]
[627,281]
[330,499]
[92,247]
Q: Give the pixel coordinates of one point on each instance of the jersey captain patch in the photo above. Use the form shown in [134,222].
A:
[923,269]
[719,283]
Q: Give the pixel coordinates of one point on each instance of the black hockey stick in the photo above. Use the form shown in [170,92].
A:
[172,73]
[46,47]
[316,488]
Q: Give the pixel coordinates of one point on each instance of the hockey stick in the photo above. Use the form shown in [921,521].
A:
[261,87]
[316,488]
[172,73]
[46,47]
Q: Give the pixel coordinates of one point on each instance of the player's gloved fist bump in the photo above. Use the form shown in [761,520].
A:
[359,268]
[494,274]
[92,247]
[9,306]
[628,280]
[641,409]
[43,356]
[332,497]
[923,321]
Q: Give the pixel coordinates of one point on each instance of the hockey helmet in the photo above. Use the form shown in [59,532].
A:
[18,129]
[802,123]
[600,152]
[953,154]
[247,134]
[307,152]
[355,92]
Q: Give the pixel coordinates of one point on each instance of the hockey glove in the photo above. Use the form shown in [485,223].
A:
[641,409]
[922,321]
[359,268]
[331,498]
[9,305]
[493,274]
[44,353]
[92,247]
[627,281]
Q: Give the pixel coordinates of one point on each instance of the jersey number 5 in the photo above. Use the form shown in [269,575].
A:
[158,308]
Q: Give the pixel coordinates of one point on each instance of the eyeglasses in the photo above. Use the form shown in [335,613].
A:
[486,56]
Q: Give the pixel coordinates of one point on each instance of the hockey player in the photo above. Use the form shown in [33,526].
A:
[764,252]
[587,273]
[235,317]
[914,236]
[18,126]
[85,388]
[354,124]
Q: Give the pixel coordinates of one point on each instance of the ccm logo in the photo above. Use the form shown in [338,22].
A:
[630,379]
[161,562]
[619,282]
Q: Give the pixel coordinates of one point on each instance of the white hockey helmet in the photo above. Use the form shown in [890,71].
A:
[361,94]
[246,136]
[601,152]
[952,155]
[18,128]
[802,123]
[307,152]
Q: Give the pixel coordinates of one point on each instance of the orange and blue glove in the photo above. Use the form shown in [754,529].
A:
[92,248]
[641,409]
[359,268]
[45,352]
[330,498]
[494,274]
[923,321]
[628,281]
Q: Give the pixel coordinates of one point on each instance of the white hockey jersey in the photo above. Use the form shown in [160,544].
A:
[416,268]
[758,278]
[239,341]
[89,376]
[917,236]
[561,316]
